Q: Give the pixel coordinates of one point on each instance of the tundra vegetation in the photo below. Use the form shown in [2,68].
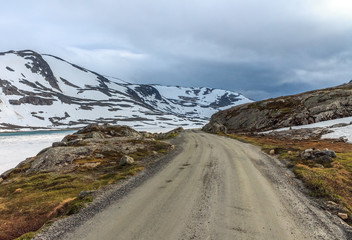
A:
[64,178]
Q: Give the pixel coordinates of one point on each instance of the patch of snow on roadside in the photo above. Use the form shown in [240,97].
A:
[345,132]
[338,132]
[316,125]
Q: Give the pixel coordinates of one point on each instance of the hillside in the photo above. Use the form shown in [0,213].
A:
[301,109]
[44,91]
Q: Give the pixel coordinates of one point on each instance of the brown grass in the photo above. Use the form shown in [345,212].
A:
[28,202]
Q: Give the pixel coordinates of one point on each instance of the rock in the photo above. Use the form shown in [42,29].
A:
[332,203]
[343,216]
[7,173]
[126,160]
[58,144]
[146,135]
[272,152]
[91,164]
[324,160]
[343,139]
[70,137]
[84,194]
[95,135]
[317,165]
[214,128]
[89,128]
[314,154]
[18,190]
[289,152]
[330,153]
[74,142]
[309,107]
[54,159]
[307,154]
[1,179]
[154,153]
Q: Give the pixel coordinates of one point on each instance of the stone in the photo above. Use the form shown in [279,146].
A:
[59,144]
[84,194]
[1,180]
[324,160]
[343,216]
[289,152]
[95,135]
[272,152]
[74,142]
[317,165]
[18,190]
[154,153]
[330,153]
[126,160]
[215,128]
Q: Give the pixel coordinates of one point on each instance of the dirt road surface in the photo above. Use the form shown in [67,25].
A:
[215,188]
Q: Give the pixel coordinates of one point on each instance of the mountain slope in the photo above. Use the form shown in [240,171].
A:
[44,91]
[305,108]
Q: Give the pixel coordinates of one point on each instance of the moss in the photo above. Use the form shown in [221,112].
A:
[317,181]
[78,204]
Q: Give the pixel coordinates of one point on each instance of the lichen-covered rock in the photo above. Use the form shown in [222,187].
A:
[215,128]
[59,157]
[126,160]
[95,135]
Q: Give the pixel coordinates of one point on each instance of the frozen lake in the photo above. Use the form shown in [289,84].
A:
[16,147]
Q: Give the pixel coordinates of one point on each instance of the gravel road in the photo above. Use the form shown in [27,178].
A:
[215,188]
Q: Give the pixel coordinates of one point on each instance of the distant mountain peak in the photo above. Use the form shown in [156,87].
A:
[45,91]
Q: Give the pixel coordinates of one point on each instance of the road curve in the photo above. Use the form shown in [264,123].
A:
[216,188]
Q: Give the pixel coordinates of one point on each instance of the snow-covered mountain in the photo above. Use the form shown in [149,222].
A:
[44,91]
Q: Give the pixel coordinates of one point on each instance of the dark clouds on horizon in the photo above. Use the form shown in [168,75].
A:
[260,48]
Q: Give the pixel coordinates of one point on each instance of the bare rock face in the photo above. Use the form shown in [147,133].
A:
[305,108]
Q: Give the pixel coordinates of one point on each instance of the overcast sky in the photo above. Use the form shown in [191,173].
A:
[262,48]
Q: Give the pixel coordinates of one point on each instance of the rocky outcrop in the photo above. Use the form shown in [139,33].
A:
[305,108]
[92,146]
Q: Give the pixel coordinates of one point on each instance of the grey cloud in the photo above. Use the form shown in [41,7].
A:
[262,48]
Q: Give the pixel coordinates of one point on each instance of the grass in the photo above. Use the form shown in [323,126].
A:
[331,183]
[28,202]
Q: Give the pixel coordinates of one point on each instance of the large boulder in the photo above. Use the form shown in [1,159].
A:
[58,158]
[215,128]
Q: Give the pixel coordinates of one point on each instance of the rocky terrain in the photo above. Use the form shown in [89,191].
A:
[44,91]
[63,178]
[300,109]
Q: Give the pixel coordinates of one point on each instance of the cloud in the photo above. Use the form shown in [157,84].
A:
[264,48]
